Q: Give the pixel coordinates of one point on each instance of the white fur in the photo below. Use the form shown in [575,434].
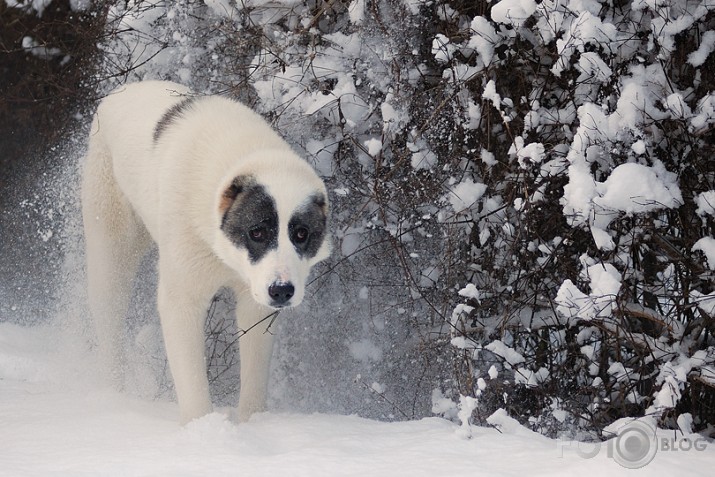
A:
[136,190]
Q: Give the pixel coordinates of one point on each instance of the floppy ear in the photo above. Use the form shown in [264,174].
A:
[230,193]
[319,200]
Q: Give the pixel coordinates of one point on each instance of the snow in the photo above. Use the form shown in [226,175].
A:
[37,5]
[513,12]
[487,157]
[508,425]
[634,188]
[530,378]
[36,49]
[392,117]
[493,372]
[414,5]
[509,354]
[465,194]
[58,420]
[685,423]
[593,68]
[442,49]
[586,29]
[706,112]
[490,93]
[470,291]
[484,38]
[365,350]
[602,238]
[373,146]
[422,156]
[707,246]
[706,203]
[639,147]
[630,188]
[707,46]
[669,23]
[467,405]
[639,96]
[605,283]
[704,302]
[578,193]
[220,7]
[533,153]
[677,106]
[356,11]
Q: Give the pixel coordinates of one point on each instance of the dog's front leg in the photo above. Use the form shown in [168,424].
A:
[255,348]
[182,310]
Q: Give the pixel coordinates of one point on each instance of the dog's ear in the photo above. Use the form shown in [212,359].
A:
[234,189]
[322,203]
[319,200]
[327,246]
[230,193]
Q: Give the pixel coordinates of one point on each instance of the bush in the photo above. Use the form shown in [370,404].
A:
[47,58]
[522,191]
[46,63]
[590,297]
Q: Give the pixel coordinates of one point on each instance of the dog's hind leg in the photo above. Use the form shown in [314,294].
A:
[255,348]
[115,244]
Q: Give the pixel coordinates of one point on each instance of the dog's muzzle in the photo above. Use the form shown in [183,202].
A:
[281,293]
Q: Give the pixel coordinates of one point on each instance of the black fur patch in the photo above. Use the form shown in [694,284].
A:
[306,227]
[171,115]
[251,222]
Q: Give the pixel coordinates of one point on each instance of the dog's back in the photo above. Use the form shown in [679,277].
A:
[122,138]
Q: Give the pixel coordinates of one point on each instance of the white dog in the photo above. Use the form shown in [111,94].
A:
[227,202]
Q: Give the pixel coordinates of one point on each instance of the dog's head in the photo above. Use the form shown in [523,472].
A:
[273,227]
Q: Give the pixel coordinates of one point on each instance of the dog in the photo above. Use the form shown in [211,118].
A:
[228,204]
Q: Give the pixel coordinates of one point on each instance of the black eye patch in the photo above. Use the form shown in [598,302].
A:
[306,227]
[251,222]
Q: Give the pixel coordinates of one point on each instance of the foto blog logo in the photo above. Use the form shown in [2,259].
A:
[634,446]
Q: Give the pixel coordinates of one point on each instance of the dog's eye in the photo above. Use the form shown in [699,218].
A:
[300,234]
[258,234]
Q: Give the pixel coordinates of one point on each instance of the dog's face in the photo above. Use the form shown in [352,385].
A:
[273,228]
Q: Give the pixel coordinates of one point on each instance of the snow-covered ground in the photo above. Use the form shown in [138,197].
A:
[55,420]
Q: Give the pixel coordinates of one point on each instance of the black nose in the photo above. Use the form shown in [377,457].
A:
[281,293]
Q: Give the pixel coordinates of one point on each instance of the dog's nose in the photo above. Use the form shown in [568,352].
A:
[281,293]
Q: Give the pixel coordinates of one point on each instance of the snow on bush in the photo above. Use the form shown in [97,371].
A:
[591,244]
[522,198]
[604,283]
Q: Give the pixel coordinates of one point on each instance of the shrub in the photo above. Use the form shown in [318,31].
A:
[522,191]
